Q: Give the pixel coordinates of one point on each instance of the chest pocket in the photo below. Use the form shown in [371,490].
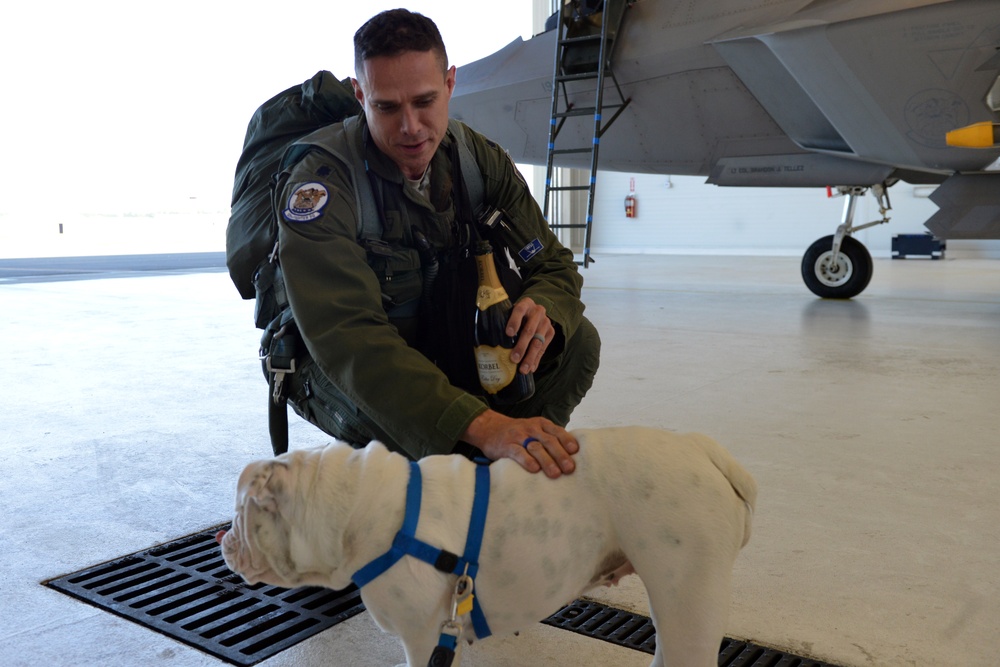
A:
[399,276]
[396,262]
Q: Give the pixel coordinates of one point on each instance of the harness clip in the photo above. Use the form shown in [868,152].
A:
[279,376]
[283,348]
[462,600]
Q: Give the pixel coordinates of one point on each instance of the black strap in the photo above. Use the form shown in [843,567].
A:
[279,349]
[277,420]
[464,207]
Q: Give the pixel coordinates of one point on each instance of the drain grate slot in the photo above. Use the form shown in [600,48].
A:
[596,620]
[184,590]
[593,619]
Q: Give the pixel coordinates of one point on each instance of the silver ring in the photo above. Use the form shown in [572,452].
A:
[540,338]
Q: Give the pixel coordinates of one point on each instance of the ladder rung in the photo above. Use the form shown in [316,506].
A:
[567,151]
[585,111]
[568,187]
[582,39]
[580,76]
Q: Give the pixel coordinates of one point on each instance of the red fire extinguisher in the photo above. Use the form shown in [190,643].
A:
[630,202]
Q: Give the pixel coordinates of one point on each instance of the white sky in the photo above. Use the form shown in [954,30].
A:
[111,105]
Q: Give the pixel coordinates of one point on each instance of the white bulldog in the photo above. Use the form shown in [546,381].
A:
[673,508]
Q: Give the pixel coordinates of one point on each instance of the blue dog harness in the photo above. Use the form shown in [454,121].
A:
[405,543]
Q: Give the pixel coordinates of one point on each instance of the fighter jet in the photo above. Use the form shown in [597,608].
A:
[855,95]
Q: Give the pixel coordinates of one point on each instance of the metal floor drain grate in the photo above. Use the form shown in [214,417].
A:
[624,628]
[184,590]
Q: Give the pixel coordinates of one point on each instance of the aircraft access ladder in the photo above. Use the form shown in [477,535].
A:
[584,45]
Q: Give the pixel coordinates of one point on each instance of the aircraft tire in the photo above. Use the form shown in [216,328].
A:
[843,280]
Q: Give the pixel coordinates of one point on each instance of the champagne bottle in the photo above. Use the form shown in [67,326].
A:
[498,375]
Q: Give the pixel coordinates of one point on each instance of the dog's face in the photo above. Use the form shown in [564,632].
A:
[266,542]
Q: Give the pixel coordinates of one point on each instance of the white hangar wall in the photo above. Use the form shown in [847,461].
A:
[684,215]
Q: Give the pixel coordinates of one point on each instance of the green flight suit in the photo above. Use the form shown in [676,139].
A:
[370,378]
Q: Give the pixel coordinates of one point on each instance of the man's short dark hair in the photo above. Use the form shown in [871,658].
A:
[394,31]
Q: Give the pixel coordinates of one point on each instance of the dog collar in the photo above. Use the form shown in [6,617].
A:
[405,543]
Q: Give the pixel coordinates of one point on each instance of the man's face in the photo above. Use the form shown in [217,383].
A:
[405,99]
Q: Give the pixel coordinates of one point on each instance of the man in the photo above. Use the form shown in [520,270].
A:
[362,310]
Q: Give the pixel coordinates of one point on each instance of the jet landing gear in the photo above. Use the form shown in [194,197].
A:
[839,266]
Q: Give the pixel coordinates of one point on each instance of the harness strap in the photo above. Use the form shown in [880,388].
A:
[404,538]
[473,542]
[405,543]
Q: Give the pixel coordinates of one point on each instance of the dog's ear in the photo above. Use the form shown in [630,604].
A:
[262,532]
[263,483]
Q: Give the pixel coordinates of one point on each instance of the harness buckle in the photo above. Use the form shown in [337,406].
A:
[279,359]
[377,247]
[446,562]
[279,375]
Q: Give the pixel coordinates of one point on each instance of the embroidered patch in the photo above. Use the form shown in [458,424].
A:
[527,252]
[306,203]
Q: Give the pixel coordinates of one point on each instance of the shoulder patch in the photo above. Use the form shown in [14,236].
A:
[533,248]
[306,202]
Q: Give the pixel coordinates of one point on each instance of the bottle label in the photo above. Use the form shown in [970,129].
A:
[489,296]
[496,370]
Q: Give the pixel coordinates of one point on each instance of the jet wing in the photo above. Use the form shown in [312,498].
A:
[786,93]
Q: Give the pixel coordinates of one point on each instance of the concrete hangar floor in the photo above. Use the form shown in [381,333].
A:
[133,399]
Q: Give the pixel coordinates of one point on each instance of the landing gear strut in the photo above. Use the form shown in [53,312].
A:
[839,266]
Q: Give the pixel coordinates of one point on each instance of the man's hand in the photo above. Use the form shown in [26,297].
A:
[550,447]
[534,329]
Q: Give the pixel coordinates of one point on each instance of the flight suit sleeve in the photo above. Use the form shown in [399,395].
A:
[336,300]
[549,272]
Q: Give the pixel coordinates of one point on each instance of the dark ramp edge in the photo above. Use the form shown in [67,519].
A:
[184,590]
